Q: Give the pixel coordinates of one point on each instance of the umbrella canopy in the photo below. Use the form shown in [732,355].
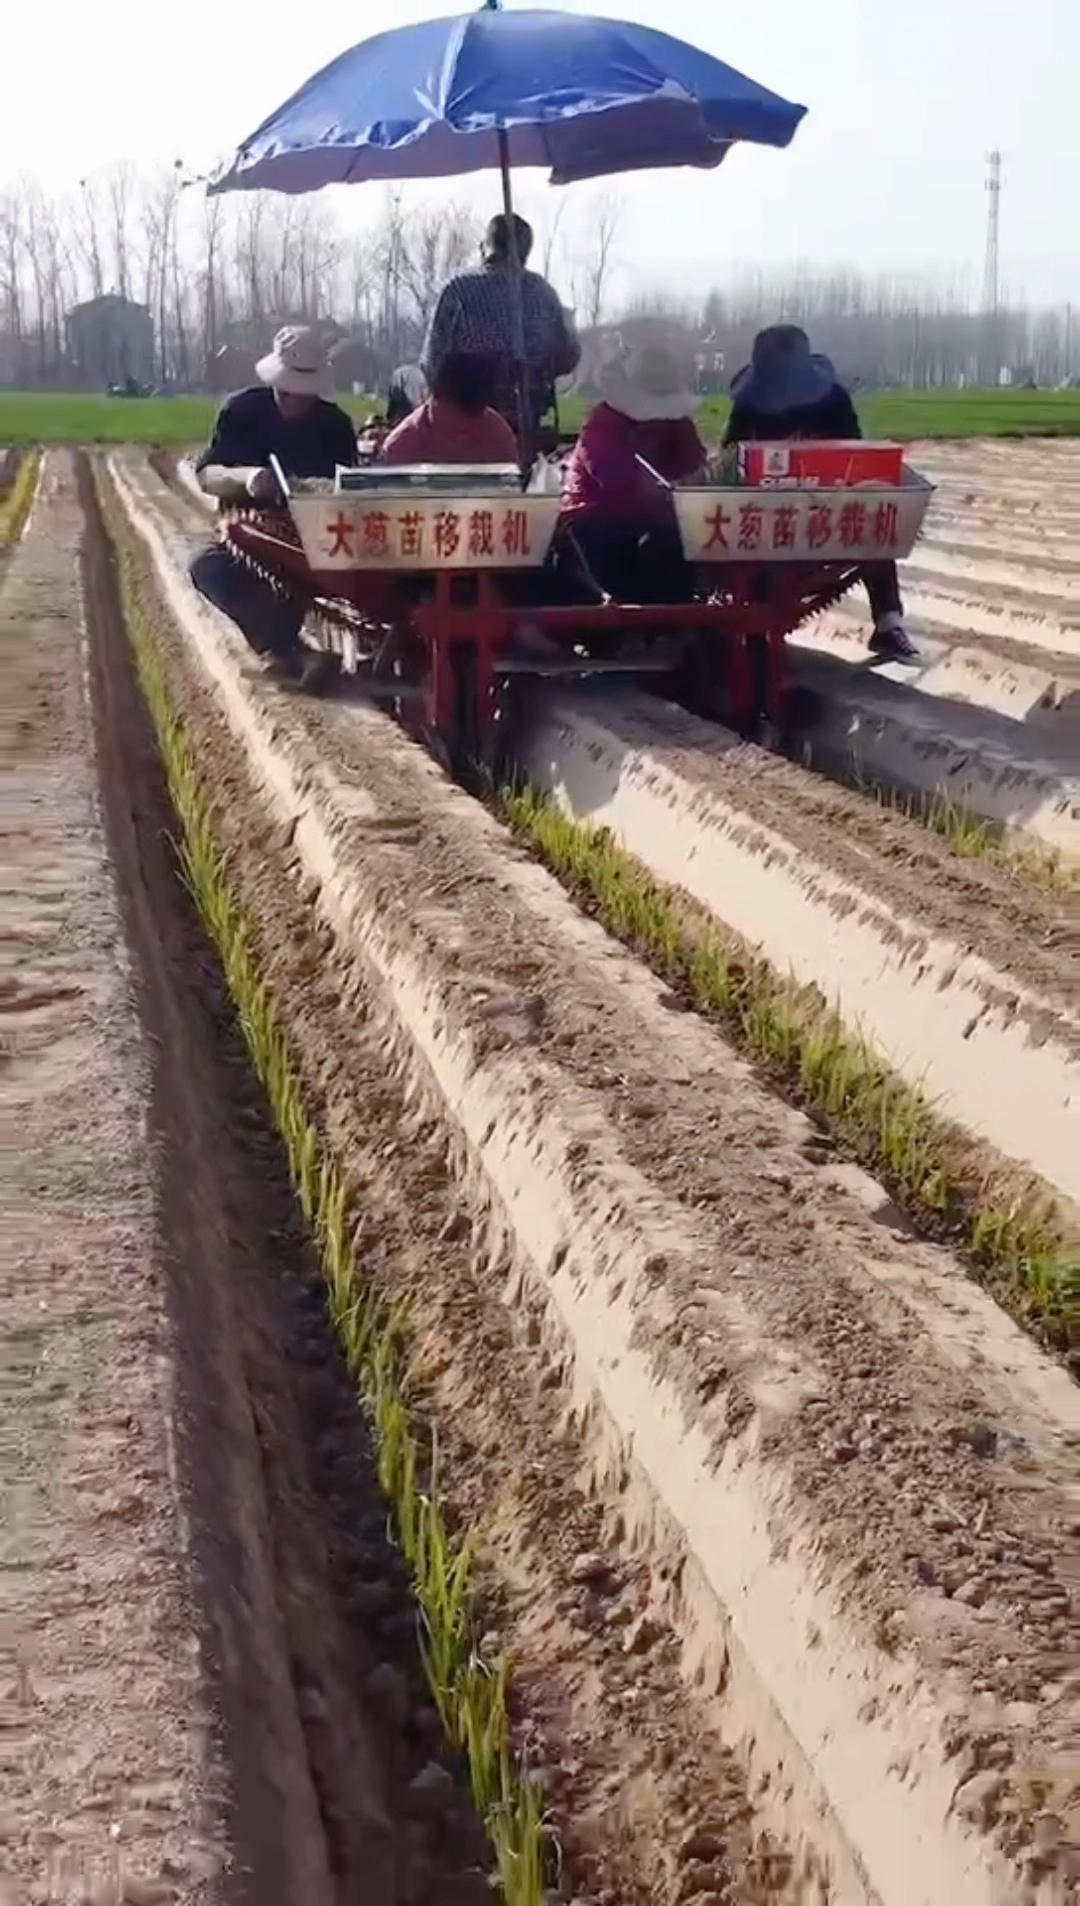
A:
[579,95]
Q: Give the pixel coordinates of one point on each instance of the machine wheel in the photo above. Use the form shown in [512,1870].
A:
[501,764]
[768,735]
[802,715]
[464,743]
[482,752]
[698,684]
[763,729]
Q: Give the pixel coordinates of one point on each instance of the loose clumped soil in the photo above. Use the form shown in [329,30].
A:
[940,1503]
[212,1681]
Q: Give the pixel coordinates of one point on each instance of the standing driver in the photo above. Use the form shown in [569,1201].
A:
[286,415]
[477,314]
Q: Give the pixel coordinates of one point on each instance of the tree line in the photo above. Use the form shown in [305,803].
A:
[886,332]
[217,275]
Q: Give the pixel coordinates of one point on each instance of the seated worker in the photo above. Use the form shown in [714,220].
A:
[788,392]
[477,313]
[637,443]
[408,389]
[456,424]
[286,415]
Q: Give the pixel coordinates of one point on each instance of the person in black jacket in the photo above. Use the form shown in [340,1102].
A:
[788,392]
[287,416]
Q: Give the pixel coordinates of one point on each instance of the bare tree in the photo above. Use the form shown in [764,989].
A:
[212,222]
[389,247]
[248,249]
[551,238]
[161,205]
[317,253]
[595,264]
[35,218]
[121,190]
[12,243]
[433,248]
[88,236]
[222,272]
[361,267]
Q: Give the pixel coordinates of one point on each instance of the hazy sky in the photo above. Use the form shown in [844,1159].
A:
[905,98]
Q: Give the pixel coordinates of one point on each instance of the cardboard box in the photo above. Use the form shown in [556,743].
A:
[815,465]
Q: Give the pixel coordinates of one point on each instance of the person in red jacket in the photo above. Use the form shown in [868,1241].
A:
[786,392]
[634,446]
[456,424]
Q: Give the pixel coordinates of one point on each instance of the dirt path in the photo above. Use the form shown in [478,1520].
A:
[109,1768]
[197,1584]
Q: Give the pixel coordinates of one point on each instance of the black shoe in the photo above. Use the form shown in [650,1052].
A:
[894,642]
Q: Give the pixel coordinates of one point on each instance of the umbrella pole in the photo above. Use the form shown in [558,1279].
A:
[517,300]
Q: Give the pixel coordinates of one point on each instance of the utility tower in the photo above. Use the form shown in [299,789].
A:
[992,273]
[992,278]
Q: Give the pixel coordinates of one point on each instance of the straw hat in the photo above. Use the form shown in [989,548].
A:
[298,365]
[648,382]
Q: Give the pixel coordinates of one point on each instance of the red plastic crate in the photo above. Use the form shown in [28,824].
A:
[832,466]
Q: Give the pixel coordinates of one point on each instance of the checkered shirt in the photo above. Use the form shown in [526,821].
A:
[475,313]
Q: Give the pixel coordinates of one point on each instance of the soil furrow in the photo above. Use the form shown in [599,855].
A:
[754,1312]
[204,1590]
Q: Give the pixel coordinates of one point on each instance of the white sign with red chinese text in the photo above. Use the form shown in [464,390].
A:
[769,526]
[405,531]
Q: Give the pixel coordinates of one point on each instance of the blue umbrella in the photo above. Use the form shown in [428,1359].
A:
[580,95]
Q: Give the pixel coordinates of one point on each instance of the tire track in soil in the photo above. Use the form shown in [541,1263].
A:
[310,1624]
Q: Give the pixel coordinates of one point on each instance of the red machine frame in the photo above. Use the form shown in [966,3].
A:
[459,629]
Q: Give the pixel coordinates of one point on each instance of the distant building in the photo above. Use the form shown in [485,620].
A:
[110,339]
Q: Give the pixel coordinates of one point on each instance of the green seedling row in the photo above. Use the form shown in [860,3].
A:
[15,502]
[469,1686]
[34,417]
[1010,1239]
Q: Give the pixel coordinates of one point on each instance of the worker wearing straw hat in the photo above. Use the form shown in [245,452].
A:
[286,416]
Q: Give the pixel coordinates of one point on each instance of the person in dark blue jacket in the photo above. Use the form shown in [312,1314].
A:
[286,415]
[789,392]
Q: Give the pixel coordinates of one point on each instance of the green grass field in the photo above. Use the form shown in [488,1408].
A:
[29,417]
